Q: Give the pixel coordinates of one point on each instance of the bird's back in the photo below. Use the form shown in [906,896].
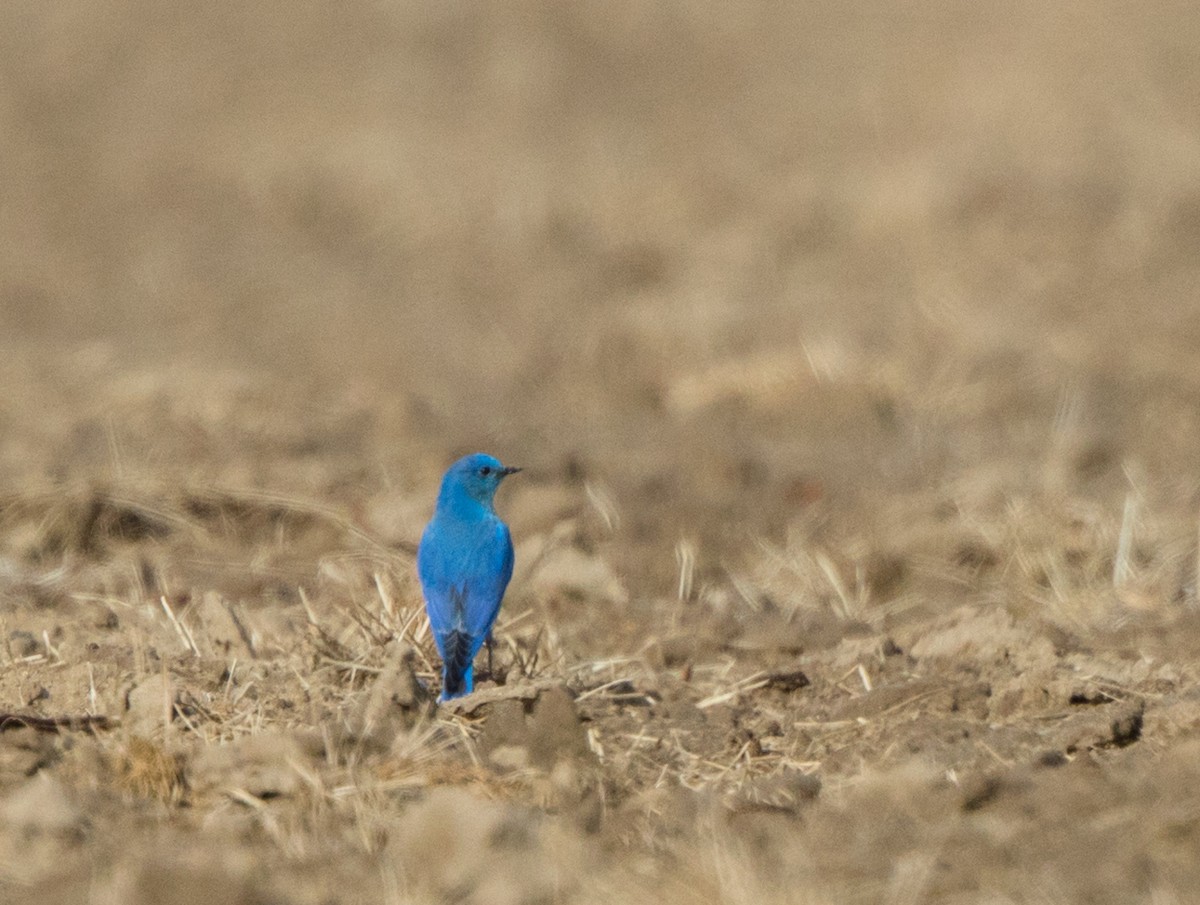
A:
[464,565]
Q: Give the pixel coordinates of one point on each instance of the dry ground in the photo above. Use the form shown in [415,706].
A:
[852,353]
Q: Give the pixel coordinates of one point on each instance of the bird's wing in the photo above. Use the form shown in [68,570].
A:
[464,579]
[499,558]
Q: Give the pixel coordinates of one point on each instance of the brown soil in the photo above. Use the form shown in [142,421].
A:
[851,352]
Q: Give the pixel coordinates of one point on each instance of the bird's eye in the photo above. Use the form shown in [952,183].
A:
[486,470]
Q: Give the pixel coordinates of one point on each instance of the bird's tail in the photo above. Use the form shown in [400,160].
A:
[457,669]
[457,659]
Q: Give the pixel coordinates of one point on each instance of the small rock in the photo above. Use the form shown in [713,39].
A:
[788,680]
[548,730]
[150,705]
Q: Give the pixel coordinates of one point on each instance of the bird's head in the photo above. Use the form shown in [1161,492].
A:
[478,476]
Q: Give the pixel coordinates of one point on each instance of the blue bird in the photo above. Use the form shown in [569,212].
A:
[464,562]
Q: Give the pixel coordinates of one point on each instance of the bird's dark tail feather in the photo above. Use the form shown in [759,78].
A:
[456,664]
[456,652]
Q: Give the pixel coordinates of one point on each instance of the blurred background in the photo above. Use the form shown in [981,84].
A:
[724,259]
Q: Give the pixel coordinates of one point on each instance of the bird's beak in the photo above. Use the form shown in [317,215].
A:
[506,471]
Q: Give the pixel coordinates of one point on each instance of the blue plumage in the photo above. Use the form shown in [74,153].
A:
[464,562]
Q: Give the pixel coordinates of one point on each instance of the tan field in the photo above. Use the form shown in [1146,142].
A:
[852,352]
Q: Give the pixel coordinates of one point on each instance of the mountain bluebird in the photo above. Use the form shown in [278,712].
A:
[464,562]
